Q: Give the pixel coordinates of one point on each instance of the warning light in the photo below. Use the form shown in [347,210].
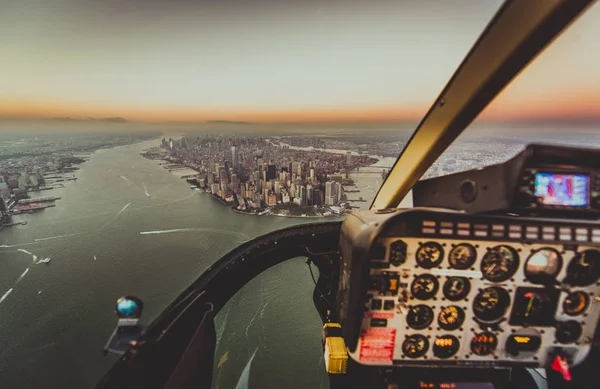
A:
[444,342]
[447,386]
[522,339]
[426,385]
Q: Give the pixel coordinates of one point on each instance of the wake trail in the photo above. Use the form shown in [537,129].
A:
[60,236]
[259,312]
[22,275]
[5,295]
[123,209]
[111,221]
[239,235]
[33,256]
[244,380]
[4,246]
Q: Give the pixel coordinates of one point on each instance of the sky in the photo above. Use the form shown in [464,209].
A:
[269,60]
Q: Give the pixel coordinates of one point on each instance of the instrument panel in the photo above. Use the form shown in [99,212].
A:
[440,300]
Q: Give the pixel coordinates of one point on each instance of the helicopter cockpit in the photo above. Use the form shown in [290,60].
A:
[491,272]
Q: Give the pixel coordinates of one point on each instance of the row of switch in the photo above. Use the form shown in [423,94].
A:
[388,305]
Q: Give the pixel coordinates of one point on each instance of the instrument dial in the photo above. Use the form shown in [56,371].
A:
[424,287]
[484,344]
[462,256]
[430,255]
[576,303]
[491,303]
[398,253]
[419,317]
[451,318]
[445,346]
[500,263]
[584,268]
[568,332]
[534,307]
[415,346]
[543,265]
[456,288]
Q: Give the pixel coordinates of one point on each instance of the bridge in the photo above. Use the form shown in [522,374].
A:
[351,168]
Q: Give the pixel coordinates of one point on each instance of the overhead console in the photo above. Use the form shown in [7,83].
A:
[540,180]
[496,267]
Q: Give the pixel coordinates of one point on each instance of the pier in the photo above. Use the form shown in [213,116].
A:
[38,200]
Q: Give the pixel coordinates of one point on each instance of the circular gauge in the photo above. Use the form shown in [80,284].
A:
[568,331]
[462,256]
[445,346]
[500,263]
[543,265]
[415,346]
[456,288]
[491,303]
[430,255]
[398,253]
[424,287]
[534,307]
[484,344]
[584,268]
[576,303]
[419,317]
[451,318]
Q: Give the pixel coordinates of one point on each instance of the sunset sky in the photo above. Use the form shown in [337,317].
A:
[269,60]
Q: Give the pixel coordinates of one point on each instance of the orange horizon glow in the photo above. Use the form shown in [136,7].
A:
[580,104]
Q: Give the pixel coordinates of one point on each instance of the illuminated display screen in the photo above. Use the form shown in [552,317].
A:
[571,190]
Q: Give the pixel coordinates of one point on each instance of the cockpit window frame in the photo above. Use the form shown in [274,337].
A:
[516,35]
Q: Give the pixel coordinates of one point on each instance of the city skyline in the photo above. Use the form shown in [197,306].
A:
[336,61]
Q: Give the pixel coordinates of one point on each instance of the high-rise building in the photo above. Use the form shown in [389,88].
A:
[234,158]
[303,195]
[339,191]
[329,193]
[317,197]
[348,158]
[3,207]
[271,171]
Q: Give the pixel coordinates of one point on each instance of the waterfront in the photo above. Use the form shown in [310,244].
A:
[152,247]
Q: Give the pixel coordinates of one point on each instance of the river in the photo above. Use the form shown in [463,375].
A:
[54,339]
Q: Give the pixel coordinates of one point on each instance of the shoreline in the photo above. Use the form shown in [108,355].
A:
[146,154]
[257,213]
[288,216]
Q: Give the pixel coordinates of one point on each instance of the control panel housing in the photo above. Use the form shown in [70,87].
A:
[425,287]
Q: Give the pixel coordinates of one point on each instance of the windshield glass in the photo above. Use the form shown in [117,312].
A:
[141,141]
[555,101]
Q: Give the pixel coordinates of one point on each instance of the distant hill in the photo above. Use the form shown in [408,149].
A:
[225,122]
[90,119]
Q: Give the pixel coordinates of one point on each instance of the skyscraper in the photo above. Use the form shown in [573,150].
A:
[328,193]
[234,158]
[3,207]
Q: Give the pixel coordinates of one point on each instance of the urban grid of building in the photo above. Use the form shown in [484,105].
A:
[256,173]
